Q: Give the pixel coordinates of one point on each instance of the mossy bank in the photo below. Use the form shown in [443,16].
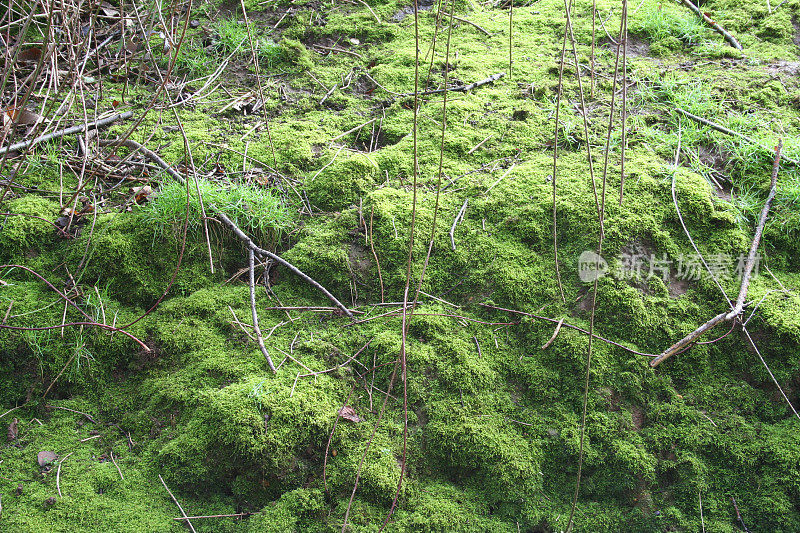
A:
[491,437]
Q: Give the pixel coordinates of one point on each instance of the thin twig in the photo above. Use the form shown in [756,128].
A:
[476,26]
[234,515]
[256,329]
[188,521]
[115,464]
[722,129]
[745,283]
[58,474]
[458,218]
[555,334]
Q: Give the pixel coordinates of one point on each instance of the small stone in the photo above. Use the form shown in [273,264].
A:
[354,41]
[49,502]
[46,457]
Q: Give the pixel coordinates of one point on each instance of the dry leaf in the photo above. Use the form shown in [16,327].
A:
[142,194]
[348,413]
[13,430]
[13,115]
[30,54]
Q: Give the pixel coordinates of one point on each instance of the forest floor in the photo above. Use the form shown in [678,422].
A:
[133,382]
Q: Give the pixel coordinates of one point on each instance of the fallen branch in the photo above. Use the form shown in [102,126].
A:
[722,129]
[714,25]
[264,253]
[746,273]
[257,329]
[80,128]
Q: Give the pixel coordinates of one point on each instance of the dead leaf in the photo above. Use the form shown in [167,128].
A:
[46,457]
[109,10]
[30,54]
[348,413]
[12,115]
[13,430]
[142,194]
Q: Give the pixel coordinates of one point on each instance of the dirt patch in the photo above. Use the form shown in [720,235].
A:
[424,5]
[678,287]
[637,417]
[637,46]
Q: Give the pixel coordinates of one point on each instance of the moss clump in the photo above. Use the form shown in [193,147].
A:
[296,53]
[23,230]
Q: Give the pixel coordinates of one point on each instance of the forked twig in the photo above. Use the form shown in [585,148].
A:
[748,269]
[242,236]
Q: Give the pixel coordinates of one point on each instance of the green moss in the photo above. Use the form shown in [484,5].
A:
[23,230]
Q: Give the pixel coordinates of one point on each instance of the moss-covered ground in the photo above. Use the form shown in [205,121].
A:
[705,441]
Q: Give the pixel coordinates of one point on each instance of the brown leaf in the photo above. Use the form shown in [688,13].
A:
[30,54]
[20,116]
[13,430]
[348,413]
[46,457]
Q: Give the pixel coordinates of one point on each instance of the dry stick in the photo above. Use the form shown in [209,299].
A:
[367,123]
[88,416]
[510,35]
[748,269]
[739,515]
[601,216]
[249,243]
[480,144]
[256,329]
[624,97]
[722,129]
[115,464]
[460,88]
[771,375]
[371,11]
[555,334]
[258,80]
[564,324]
[59,374]
[402,359]
[137,147]
[594,43]
[191,527]
[458,218]
[58,474]
[715,26]
[80,128]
